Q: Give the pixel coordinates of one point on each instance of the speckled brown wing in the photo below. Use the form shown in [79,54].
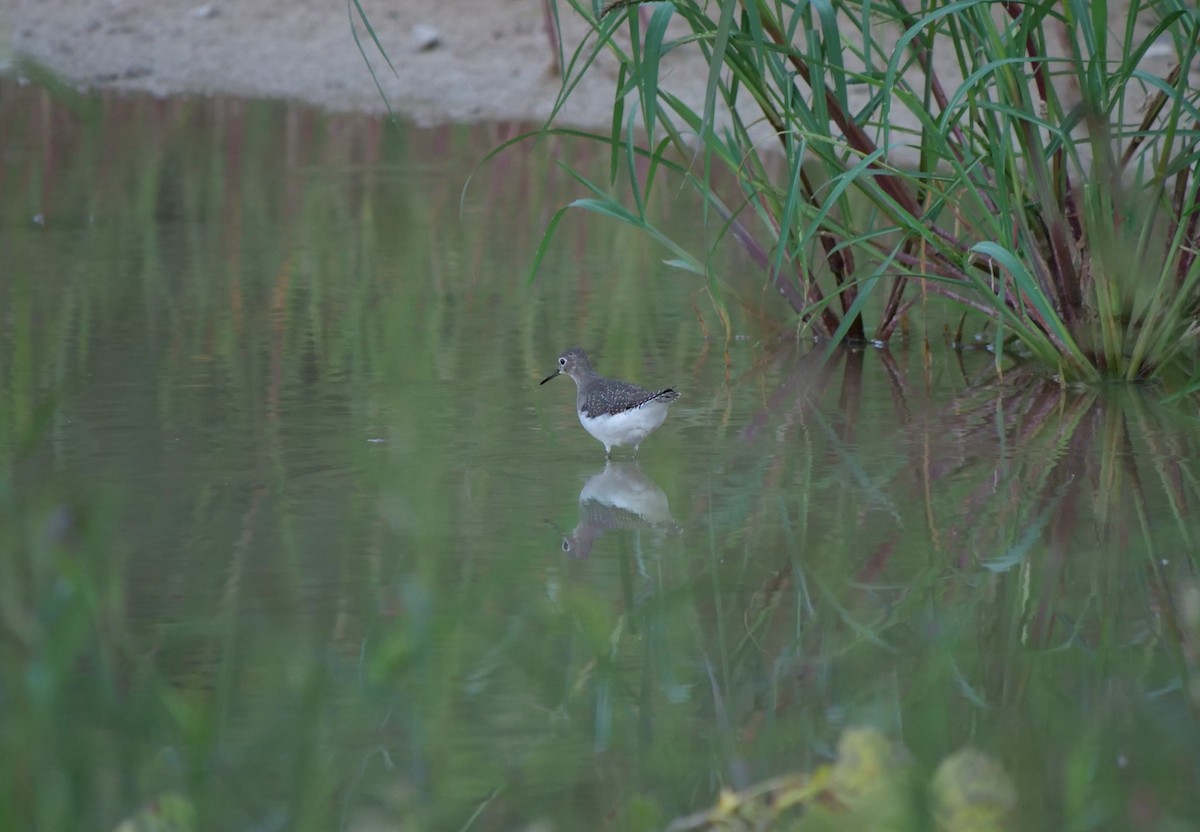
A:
[618,396]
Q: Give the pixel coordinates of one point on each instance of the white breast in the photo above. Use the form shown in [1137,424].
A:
[629,427]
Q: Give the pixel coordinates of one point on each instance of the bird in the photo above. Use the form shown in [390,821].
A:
[619,497]
[615,412]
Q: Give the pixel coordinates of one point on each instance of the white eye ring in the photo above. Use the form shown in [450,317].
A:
[562,362]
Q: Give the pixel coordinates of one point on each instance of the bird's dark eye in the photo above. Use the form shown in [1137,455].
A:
[562,362]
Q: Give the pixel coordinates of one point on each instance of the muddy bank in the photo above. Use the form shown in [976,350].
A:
[454,60]
[487,61]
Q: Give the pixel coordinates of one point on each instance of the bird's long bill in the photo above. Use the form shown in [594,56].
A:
[547,378]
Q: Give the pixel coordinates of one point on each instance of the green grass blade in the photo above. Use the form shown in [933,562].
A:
[716,64]
[351,6]
[631,163]
[544,244]
[651,56]
[618,119]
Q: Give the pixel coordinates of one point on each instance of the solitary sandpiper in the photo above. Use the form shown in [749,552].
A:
[619,498]
[615,412]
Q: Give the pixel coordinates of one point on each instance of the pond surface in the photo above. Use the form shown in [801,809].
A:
[292,538]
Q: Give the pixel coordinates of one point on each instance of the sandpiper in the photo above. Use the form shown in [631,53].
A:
[620,497]
[615,412]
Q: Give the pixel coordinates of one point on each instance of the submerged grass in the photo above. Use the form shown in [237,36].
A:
[1020,161]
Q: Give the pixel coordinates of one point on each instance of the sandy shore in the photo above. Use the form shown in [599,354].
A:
[493,61]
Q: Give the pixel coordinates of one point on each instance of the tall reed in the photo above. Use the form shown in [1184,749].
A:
[1022,162]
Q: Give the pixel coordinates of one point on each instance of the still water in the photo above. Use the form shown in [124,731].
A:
[291,537]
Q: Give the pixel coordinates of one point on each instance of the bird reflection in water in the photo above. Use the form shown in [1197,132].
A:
[619,497]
